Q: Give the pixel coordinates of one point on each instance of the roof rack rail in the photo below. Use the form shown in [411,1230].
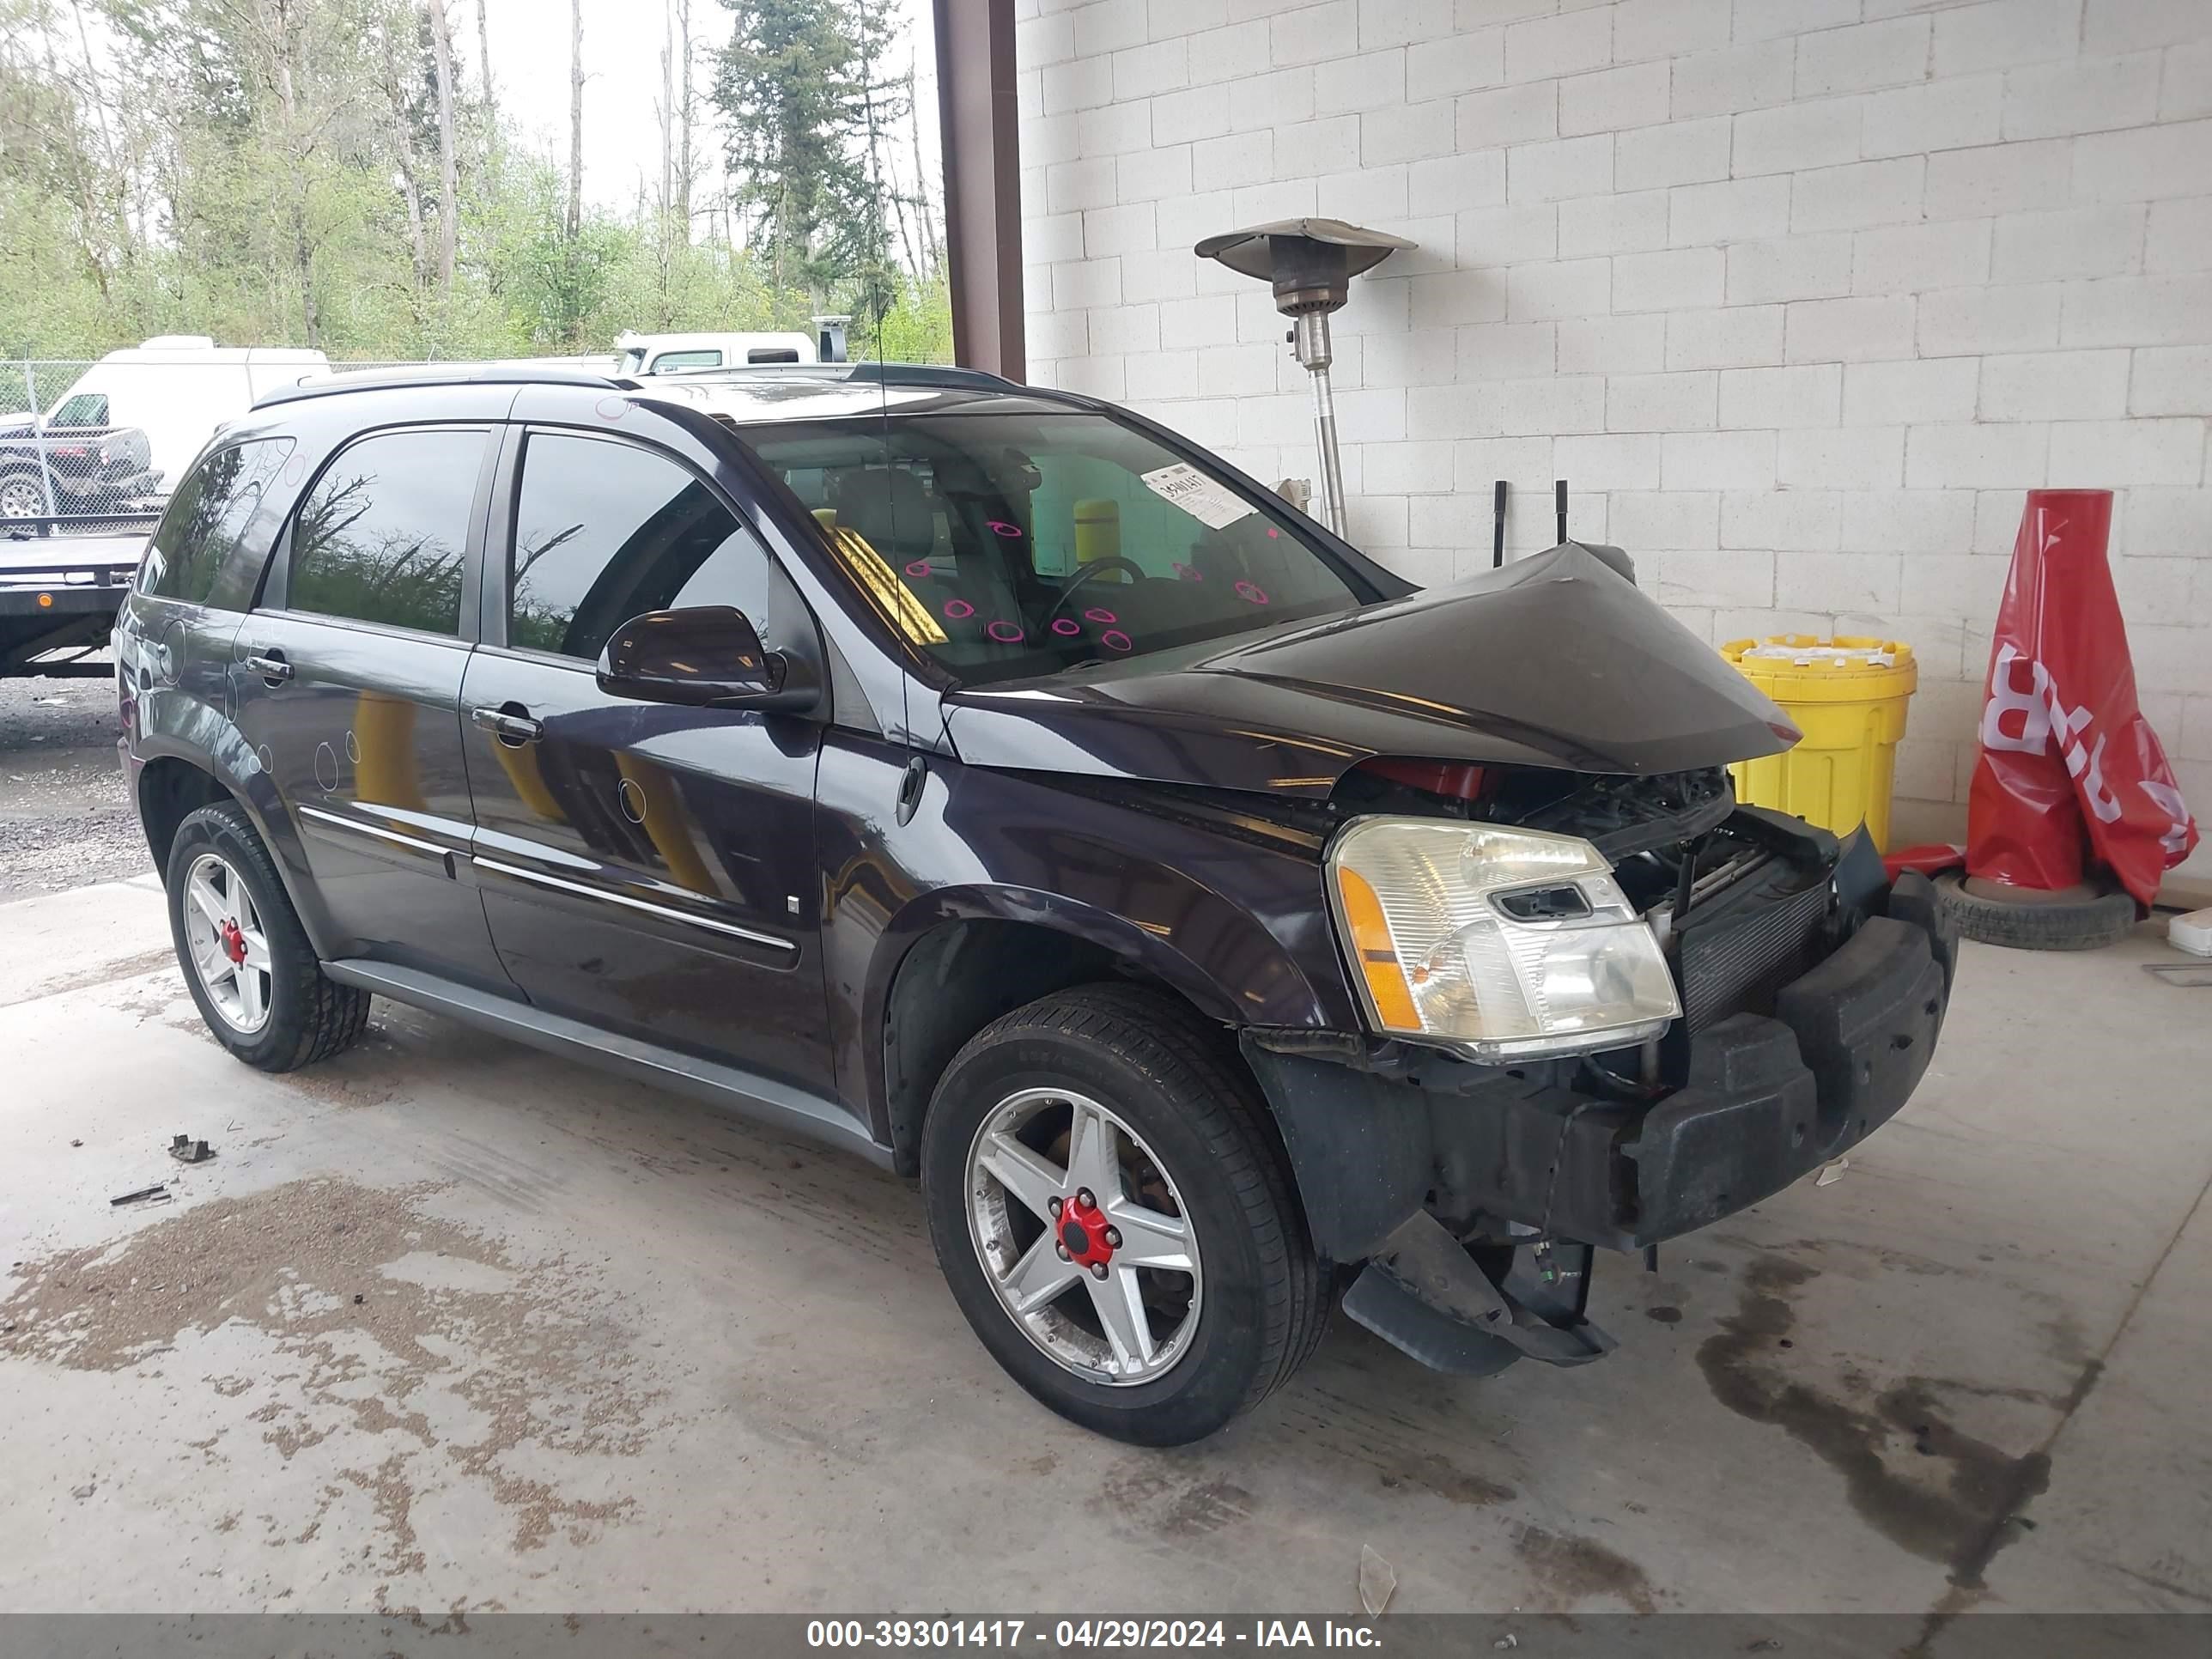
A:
[942,375]
[933,374]
[521,372]
[525,373]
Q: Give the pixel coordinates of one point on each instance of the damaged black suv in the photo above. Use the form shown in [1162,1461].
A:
[990,781]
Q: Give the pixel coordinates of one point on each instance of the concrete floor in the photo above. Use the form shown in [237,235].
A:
[449,1325]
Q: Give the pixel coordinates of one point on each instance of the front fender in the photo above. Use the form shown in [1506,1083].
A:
[1117,935]
[1236,926]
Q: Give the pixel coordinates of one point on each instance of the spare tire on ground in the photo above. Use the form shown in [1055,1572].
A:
[2087,917]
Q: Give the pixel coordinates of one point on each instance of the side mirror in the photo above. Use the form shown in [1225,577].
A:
[707,656]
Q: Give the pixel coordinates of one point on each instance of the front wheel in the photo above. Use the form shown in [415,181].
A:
[1112,1210]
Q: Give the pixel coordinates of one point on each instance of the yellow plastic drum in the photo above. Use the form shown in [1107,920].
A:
[1097,530]
[1849,696]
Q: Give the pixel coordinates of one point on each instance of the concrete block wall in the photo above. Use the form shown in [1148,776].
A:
[1799,295]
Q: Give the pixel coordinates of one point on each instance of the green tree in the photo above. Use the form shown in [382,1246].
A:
[917,327]
[788,86]
[274,172]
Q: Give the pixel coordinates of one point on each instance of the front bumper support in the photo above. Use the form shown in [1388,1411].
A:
[1769,1099]
[1424,1292]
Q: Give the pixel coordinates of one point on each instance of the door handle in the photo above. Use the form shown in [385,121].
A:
[271,666]
[510,723]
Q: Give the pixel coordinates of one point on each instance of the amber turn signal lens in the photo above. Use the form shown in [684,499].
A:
[1378,955]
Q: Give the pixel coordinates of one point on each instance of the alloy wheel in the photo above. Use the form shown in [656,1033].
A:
[1062,1192]
[228,948]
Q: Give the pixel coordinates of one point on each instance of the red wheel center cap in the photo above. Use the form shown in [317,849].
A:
[1083,1233]
[233,942]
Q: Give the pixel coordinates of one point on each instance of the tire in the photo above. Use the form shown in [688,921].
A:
[1258,1300]
[22,495]
[2034,921]
[304,1016]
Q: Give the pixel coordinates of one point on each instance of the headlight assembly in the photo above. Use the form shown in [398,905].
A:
[1502,943]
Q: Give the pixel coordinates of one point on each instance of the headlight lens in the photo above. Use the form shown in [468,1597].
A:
[1502,942]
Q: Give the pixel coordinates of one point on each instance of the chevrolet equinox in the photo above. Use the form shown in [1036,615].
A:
[992,781]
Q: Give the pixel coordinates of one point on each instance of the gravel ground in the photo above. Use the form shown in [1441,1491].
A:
[65,819]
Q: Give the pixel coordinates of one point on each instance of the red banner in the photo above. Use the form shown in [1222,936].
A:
[2070,774]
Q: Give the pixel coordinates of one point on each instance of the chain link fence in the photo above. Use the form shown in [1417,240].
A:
[62,464]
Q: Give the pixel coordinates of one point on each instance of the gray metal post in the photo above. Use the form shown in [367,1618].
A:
[1309,336]
[38,440]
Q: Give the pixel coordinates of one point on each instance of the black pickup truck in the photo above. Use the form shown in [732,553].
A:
[992,783]
[75,467]
[73,524]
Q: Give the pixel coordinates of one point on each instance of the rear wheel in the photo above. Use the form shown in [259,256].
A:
[1112,1211]
[246,956]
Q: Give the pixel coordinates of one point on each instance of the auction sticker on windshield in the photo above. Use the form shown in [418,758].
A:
[1213,505]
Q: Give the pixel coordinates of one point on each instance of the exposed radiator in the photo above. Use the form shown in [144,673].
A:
[1737,962]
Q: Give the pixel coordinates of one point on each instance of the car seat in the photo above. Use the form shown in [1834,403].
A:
[894,511]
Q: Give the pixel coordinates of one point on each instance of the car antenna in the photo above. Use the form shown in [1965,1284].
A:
[1497,527]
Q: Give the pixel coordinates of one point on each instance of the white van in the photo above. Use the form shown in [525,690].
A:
[664,354]
[177,389]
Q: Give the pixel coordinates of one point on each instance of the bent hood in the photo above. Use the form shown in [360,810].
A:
[1556,660]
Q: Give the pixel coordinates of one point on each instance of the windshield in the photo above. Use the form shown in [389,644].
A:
[631,360]
[1012,546]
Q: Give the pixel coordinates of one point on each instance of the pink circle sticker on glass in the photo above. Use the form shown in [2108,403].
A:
[1188,573]
[611,408]
[1274,535]
[919,568]
[958,610]
[1066,626]
[1006,633]
[1251,592]
[1012,533]
[1097,615]
[1114,639]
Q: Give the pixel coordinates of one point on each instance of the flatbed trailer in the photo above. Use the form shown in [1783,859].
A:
[60,587]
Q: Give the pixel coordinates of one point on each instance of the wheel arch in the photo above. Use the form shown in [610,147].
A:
[170,790]
[958,958]
[173,785]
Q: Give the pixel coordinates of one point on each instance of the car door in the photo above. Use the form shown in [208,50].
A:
[647,868]
[348,682]
[174,633]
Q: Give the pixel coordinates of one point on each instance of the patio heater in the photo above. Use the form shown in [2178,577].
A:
[1311,263]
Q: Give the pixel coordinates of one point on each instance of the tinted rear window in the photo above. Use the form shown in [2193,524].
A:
[382,535]
[207,516]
